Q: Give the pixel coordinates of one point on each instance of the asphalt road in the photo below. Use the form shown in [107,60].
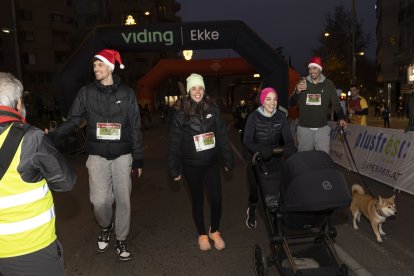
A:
[163,237]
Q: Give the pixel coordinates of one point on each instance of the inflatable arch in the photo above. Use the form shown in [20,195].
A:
[234,35]
[166,68]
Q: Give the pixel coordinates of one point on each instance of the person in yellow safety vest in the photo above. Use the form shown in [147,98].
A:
[28,242]
[357,107]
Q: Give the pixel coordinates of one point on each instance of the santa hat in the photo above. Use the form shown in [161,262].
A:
[266,92]
[315,62]
[109,57]
[194,80]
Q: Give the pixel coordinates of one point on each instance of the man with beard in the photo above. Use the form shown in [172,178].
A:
[314,94]
[114,145]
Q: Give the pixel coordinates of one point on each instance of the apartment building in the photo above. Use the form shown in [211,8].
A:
[38,36]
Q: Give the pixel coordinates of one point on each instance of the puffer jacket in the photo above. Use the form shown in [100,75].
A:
[182,150]
[106,104]
[273,132]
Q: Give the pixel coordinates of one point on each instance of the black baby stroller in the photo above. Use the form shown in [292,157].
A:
[298,203]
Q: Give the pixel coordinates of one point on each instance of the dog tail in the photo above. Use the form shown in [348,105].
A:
[357,189]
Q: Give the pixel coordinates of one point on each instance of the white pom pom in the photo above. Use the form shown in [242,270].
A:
[121,66]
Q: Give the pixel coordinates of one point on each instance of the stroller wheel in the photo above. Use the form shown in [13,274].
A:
[344,270]
[259,261]
[318,240]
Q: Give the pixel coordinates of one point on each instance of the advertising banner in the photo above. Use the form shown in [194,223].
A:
[383,154]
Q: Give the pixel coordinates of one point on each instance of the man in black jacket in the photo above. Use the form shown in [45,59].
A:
[114,145]
[313,95]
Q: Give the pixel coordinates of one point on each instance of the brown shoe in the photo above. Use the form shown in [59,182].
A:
[204,243]
[218,241]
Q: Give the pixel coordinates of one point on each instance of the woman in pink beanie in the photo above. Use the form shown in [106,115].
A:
[266,128]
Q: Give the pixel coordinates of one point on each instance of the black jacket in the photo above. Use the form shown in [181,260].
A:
[106,104]
[182,149]
[273,132]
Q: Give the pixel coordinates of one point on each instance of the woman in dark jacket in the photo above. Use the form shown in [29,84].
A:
[266,129]
[197,136]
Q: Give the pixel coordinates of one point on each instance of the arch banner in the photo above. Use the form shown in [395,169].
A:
[234,35]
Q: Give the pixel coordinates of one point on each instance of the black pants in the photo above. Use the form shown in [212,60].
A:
[44,262]
[196,177]
[252,185]
[386,122]
[273,165]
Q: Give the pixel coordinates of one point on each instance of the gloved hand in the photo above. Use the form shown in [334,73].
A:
[266,152]
[136,167]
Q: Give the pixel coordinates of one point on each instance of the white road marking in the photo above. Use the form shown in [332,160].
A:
[352,264]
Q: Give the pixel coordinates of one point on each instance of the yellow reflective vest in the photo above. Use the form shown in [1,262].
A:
[27,216]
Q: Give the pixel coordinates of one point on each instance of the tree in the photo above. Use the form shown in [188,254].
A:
[336,49]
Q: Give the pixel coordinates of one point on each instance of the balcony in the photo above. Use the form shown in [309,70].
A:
[404,56]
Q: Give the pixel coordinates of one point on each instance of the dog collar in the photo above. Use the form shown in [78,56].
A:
[381,214]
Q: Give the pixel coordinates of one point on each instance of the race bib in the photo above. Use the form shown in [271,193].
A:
[204,141]
[108,131]
[313,99]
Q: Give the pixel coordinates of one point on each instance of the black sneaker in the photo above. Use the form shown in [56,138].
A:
[103,239]
[251,218]
[122,250]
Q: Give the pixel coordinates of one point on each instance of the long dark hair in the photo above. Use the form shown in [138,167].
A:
[190,107]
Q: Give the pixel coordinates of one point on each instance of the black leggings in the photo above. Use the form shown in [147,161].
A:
[210,176]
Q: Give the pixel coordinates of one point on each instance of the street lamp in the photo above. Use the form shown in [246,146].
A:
[13,31]
[353,80]
[188,54]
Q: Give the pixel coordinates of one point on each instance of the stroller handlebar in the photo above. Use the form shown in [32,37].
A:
[256,155]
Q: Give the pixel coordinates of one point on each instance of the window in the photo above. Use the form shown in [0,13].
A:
[54,17]
[60,57]
[59,37]
[25,15]
[29,58]
[28,36]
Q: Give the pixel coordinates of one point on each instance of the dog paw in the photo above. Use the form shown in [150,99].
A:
[379,240]
[382,233]
[355,227]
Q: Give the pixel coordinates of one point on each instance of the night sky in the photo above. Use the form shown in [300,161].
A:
[294,24]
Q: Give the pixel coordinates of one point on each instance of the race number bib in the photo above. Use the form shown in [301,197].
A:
[313,99]
[204,141]
[108,131]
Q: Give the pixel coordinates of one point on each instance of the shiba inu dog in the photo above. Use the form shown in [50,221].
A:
[377,210]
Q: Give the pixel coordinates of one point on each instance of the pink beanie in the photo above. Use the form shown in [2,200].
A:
[265,92]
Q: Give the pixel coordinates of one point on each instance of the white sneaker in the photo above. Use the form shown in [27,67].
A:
[103,239]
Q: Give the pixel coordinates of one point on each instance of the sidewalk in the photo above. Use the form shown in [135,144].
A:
[395,122]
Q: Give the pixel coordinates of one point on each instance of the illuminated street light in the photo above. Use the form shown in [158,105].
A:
[353,80]
[188,54]
[146,13]
[256,75]
[6,30]
[130,20]
[326,34]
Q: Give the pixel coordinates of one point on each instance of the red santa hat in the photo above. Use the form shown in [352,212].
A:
[315,62]
[109,57]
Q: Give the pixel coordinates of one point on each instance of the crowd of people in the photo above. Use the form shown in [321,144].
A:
[198,139]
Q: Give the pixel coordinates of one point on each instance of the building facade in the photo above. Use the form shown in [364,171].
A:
[395,52]
[36,46]
[38,36]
